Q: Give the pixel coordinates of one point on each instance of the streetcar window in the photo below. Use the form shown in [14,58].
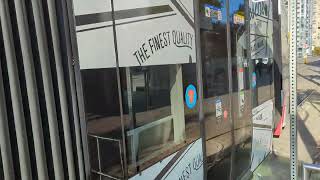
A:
[261,39]
[103,120]
[242,95]
[214,50]
[158,121]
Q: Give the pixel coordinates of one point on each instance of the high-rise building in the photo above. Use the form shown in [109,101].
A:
[304,27]
[316,23]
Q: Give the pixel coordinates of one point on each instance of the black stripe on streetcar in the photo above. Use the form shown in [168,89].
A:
[122,14]
[183,13]
[100,27]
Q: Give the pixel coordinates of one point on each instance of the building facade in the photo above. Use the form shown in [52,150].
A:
[316,23]
[304,31]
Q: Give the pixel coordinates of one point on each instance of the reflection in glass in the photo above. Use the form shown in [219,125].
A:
[103,120]
[261,38]
[215,86]
[158,121]
[242,123]
[261,44]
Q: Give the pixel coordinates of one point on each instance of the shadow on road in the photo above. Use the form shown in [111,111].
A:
[311,78]
[314,63]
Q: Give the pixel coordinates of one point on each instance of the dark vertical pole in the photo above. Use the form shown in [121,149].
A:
[231,120]
[120,94]
[248,43]
[250,64]
[17,106]
[32,91]
[196,4]
[277,56]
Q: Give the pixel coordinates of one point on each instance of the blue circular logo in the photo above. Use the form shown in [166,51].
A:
[254,80]
[191,96]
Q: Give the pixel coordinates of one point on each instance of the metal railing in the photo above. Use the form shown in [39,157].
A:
[309,167]
[100,172]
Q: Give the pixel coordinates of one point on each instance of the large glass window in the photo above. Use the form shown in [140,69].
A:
[100,87]
[103,120]
[157,63]
[215,65]
[139,81]
[262,54]
[241,96]
[261,42]
[214,60]
[140,86]
[158,120]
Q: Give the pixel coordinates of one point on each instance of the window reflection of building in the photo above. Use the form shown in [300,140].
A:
[242,94]
[261,28]
[216,90]
[158,122]
[103,120]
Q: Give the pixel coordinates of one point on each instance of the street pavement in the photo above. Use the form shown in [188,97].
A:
[277,165]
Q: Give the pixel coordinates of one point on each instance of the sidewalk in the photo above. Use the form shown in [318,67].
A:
[277,165]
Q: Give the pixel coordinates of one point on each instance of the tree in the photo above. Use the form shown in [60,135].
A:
[316,51]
